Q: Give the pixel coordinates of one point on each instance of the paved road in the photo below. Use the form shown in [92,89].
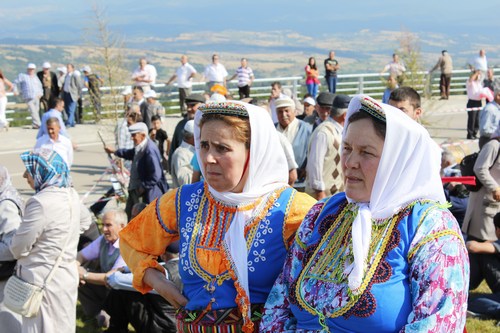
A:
[441,118]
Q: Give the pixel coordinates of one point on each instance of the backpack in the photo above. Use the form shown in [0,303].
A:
[467,169]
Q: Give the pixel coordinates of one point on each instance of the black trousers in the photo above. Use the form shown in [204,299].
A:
[485,267]
[146,313]
[473,119]
[244,91]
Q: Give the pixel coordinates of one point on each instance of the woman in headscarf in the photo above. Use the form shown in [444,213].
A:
[50,225]
[234,227]
[11,209]
[386,255]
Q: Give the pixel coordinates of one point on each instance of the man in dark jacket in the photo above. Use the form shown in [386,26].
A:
[147,181]
[49,84]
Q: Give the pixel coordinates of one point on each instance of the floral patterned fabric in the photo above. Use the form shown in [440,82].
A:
[416,276]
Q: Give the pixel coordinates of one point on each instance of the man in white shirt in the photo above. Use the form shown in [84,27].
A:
[479,63]
[324,171]
[245,78]
[215,73]
[53,141]
[184,75]
[145,75]
[396,69]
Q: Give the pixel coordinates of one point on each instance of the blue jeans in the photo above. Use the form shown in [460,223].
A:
[485,304]
[312,89]
[331,81]
[70,107]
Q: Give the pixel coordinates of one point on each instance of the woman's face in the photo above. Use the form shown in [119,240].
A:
[223,157]
[361,152]
[29,179]
[312,61]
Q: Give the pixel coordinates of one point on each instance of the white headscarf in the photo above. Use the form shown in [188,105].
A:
[408,170]
[7,191]
[267,171]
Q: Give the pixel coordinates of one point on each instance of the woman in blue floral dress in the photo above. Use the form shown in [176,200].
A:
[386,255]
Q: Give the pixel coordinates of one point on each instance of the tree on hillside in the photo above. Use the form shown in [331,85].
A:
[105,51]
[409,52]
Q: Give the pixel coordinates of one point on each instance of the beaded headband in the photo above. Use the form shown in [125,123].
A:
[225,108]
[372,108]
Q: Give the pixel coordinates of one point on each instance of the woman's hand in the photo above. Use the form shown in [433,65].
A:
[165,288]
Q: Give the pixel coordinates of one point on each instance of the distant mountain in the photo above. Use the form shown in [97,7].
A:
[272,53]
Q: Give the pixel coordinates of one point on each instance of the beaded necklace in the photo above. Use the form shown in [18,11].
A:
[212,222]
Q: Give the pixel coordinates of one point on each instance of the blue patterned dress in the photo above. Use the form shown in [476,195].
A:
[416,276]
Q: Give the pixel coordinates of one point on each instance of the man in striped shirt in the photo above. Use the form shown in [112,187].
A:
[245,79]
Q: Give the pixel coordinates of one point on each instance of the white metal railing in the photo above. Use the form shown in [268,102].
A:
[369,83]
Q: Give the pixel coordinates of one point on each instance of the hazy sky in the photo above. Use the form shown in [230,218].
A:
[64,19]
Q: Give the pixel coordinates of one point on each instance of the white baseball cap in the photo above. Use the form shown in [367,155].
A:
[310,101]
[46,65]
[127,91]
[150,94]
[31,66]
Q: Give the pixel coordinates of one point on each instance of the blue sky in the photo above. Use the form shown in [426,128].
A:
[65,19]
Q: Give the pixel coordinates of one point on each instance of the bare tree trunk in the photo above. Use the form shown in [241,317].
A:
[106,49]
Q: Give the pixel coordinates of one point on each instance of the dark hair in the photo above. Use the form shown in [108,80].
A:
[139,88]
[136,117]
[54,102]
[1,75]
[496,220]
[406,94]
[309,63]
[156,117]
[380,126]
[138,208]
[240,126]
[276,83]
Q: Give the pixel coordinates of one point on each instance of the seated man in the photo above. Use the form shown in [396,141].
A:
[485,263]
[146,313]
[92,291]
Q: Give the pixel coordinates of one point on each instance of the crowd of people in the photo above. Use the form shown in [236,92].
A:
[322,214]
